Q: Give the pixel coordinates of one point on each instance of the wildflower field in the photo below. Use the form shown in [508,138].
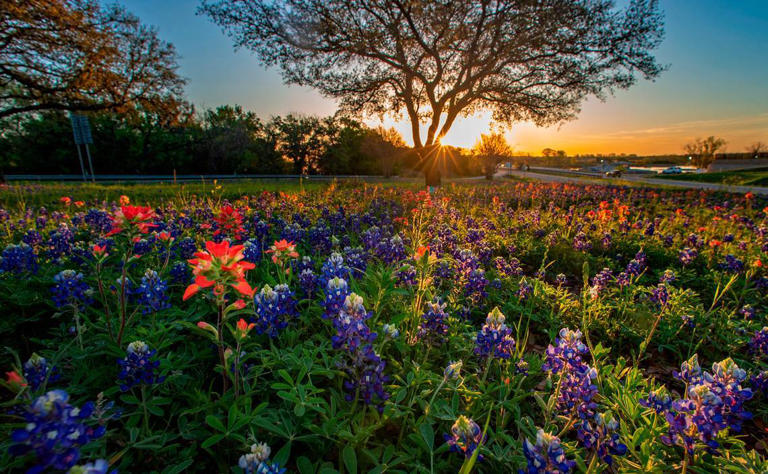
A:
[517,327]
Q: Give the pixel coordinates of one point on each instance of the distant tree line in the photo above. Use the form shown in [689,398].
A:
[224,140]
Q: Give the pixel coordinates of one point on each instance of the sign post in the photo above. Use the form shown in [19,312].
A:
[81,130]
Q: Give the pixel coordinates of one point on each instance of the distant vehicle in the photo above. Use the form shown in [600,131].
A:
[613,174]
[672,170]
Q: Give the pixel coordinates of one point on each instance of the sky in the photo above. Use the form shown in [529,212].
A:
[716,84]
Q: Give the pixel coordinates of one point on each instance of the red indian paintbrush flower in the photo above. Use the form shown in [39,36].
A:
[139,216]
[230,222]
[282,248]
[220,265]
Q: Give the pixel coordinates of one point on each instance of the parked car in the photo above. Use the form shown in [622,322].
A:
[672,170]
[613,174]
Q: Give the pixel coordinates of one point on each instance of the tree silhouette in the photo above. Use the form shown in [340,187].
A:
[77,55]
[703,151]
[437,61]
[492,149]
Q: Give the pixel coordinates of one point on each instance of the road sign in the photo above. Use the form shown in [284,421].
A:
[81,129]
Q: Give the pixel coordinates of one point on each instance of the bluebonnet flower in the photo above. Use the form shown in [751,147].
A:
[748,311]
[524,290]
[308,281]
[600,434]
[453,370]
[252,251]
[54,432]
[668,276]
[333,267]
[320,237]
[602,278]
[99,221]
[274,308]
[151,294]
[688,255]
[180,273]
[100,466]
[713,402]
[508,268]
[407,276]
[660,295]
[466,436]
[658,401]
[521,367]
[336,292]
[357,260]
[32,238]
[576,387]
[494,339]
[139,367]
[18,259]
[391,250]
[581,242]
[689,320]
[561,279]
[184,248]
[60,242]
[607,240]
[732,264]
[257,461]
[390,331]
[433,328]
[37,371]
[363,367]
[759,382]
[546,456]
[69,289]
[759,344]
[636,266]
[475,283]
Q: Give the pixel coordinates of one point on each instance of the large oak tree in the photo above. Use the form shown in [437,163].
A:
[436,61]
[78,55]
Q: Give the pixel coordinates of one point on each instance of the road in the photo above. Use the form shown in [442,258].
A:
[640,179]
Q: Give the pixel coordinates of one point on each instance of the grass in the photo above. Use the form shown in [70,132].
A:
[753,177]
[33,193]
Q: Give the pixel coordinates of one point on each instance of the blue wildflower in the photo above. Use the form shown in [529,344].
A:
[54,432]
[69,289]
[151,294]
[139,367]
[434,323]
[546,456]
[18,259]
[494,340]
[466,436]
[274,308]
[37,372]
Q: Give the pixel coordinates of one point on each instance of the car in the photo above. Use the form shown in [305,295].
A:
[672,170]
[613,174]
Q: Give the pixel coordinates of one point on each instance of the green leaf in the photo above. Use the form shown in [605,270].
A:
[282,456]
[428,435]
[350,459]
[305,465]
[215,423]
[212,440]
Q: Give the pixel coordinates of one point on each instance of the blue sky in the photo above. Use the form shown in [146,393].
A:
[717,83]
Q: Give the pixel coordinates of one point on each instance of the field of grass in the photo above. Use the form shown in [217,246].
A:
[753,177]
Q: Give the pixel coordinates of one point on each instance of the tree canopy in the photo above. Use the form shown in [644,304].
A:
[436,61]
[78,55]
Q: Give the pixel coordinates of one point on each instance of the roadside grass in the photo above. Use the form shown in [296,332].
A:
[753,177]
[46,194]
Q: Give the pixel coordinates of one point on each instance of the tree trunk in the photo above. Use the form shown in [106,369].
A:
[428,157]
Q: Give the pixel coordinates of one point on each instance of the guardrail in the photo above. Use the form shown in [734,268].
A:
[142,178]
